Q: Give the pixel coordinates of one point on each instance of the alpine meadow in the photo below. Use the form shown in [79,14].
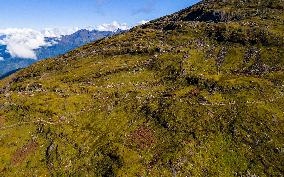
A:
[196,93]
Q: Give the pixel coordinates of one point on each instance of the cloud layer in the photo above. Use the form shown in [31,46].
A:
[142,22]
[112,26]
[57,32]
[22,42]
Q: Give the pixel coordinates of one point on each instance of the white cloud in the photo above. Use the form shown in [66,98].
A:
[116,25]
[22,42]
[142,22]
[112,26]
[57,32]
[1,59]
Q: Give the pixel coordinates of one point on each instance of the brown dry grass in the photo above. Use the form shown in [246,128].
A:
[2,121]
[21,154]
[143,137]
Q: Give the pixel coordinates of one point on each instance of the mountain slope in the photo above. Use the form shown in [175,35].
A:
[196,93]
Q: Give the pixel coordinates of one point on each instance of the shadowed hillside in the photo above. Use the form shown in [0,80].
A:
[196,93]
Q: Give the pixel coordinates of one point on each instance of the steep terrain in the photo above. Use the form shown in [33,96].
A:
[196,93]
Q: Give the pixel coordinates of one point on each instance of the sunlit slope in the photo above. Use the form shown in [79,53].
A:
[196,93]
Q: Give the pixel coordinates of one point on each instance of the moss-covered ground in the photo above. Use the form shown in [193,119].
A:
[197,93]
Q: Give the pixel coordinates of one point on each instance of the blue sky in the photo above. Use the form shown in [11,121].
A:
[40,14]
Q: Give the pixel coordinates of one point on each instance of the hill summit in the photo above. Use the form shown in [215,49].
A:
[196,93]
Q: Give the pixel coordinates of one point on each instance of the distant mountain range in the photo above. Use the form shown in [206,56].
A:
[60,45]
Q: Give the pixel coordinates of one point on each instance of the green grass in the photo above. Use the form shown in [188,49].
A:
[154,102]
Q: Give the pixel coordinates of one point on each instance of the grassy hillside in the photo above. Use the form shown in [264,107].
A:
[196,93]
